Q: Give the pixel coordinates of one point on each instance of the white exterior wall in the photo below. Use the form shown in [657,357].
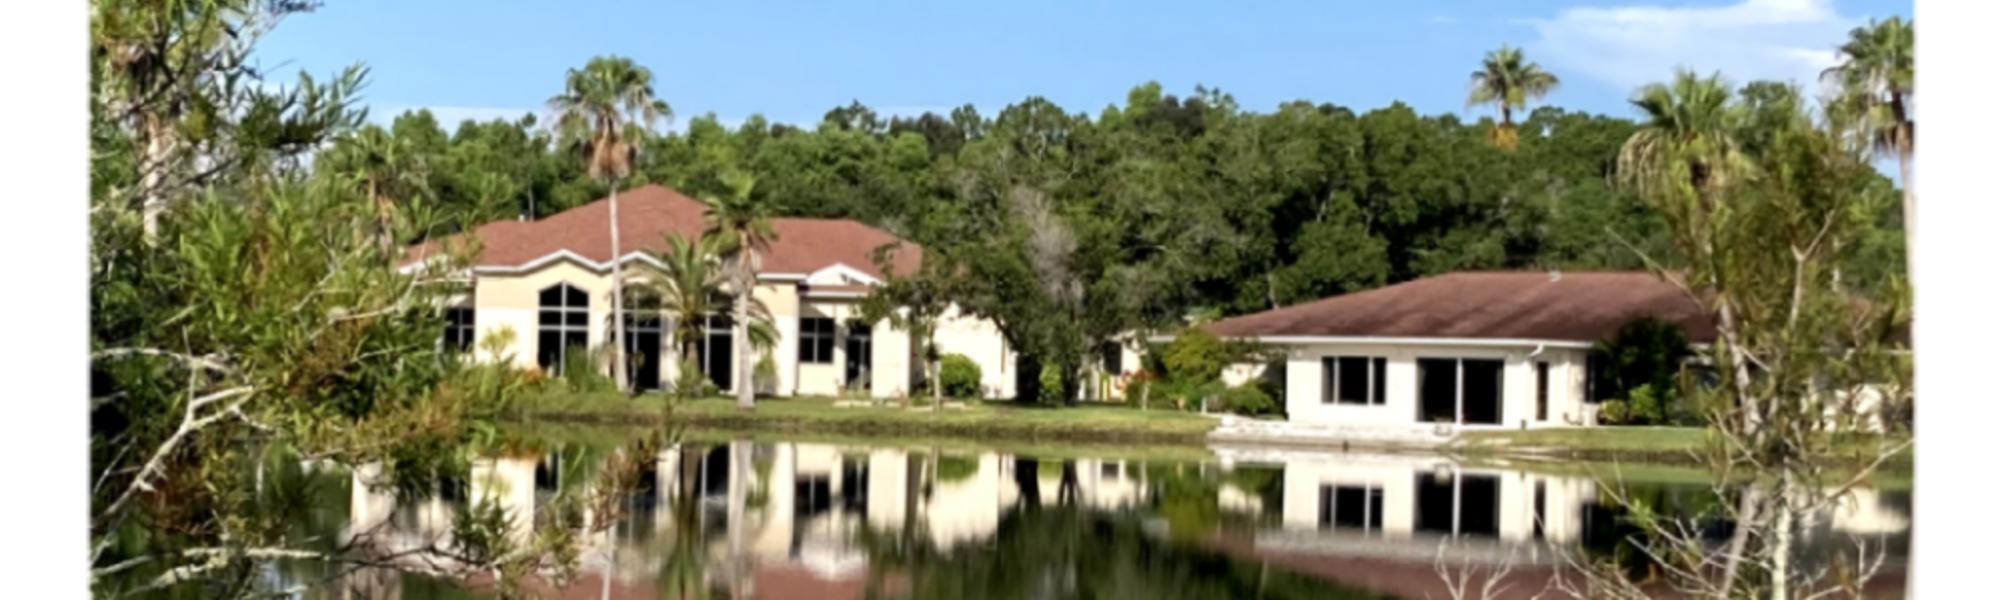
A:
[981,341]
[1305,399]
[503,301]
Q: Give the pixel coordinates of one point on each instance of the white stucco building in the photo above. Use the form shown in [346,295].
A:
[549,282]
[1463,350]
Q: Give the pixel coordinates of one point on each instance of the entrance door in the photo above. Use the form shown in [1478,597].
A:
[860,357]
[1482,391]
[1437,390]
[642,350]
[718,354]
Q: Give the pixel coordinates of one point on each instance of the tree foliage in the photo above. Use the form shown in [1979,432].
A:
[1162,207]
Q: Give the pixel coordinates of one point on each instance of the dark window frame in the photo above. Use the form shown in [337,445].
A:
[1374,380]
[817,337]
[458,329]
[567,319]
[1541,390]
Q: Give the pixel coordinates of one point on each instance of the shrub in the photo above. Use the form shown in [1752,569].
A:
[959,375]
[1194,356]
[1612,412]
[580,373]
[691,383]
[1645,407]
[1051,382]
[1247,400]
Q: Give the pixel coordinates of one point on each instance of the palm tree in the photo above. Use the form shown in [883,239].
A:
[385,169]
[742,222]
[1874,84]
[1685,148]
[605,109]
[688,280]
[1508,81]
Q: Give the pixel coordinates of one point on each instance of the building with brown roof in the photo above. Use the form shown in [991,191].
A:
[1475,349]
[549,282]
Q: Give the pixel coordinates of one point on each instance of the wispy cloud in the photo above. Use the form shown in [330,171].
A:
[1629,46]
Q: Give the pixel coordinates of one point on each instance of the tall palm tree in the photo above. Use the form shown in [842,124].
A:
[1682,159]
[1874,84]
[605,109]
[1685,147]
[386,169]
[1508,81]
[742,222]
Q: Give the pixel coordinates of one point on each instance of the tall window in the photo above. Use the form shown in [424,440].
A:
[816,340]
[458,329]
[1114,358]
[1350,507]
[1541,391]
[564,324]
[1356,379]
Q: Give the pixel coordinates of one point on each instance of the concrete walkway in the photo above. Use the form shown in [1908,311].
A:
[1267,431]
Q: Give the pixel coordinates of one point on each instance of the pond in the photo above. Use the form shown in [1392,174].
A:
[830,520]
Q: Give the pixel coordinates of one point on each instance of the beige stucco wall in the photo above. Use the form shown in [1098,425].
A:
[1305,375]
[980,340]
[511,301]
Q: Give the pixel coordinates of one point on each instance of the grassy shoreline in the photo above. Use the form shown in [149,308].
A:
[1102,426]
[975,421]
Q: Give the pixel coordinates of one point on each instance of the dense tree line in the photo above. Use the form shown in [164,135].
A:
[1155,211]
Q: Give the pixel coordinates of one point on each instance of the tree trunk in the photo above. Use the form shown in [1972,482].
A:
[618,374]
[159,145]
[937,384]
[746,283]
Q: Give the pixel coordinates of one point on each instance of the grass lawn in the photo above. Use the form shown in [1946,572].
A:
[1600,446]
[977,420]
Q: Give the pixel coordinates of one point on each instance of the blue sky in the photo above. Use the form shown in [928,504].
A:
[793,60]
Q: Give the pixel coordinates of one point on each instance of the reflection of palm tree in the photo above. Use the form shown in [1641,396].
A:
[683,565]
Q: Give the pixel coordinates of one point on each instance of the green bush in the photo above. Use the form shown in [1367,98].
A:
[960,376]
[1247,400]
[1051,381]
[580,373]
[1194,356]
[692,383]
[1613,412]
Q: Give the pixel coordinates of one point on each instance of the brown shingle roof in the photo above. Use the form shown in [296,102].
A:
[647,213]
[1573,307]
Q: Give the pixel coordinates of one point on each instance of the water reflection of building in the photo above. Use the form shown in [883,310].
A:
[785,519]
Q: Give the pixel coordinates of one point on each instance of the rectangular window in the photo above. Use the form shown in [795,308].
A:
[1380,384]
[458,329]
[1114,358]
[1355,380]
[1350,507]
[816,340]
[1541,391]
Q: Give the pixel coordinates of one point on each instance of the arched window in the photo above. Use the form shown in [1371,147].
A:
[564,324]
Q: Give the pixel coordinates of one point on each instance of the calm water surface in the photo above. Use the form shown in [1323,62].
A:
[832,521]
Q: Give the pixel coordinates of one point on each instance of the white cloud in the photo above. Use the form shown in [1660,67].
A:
[1630,46]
